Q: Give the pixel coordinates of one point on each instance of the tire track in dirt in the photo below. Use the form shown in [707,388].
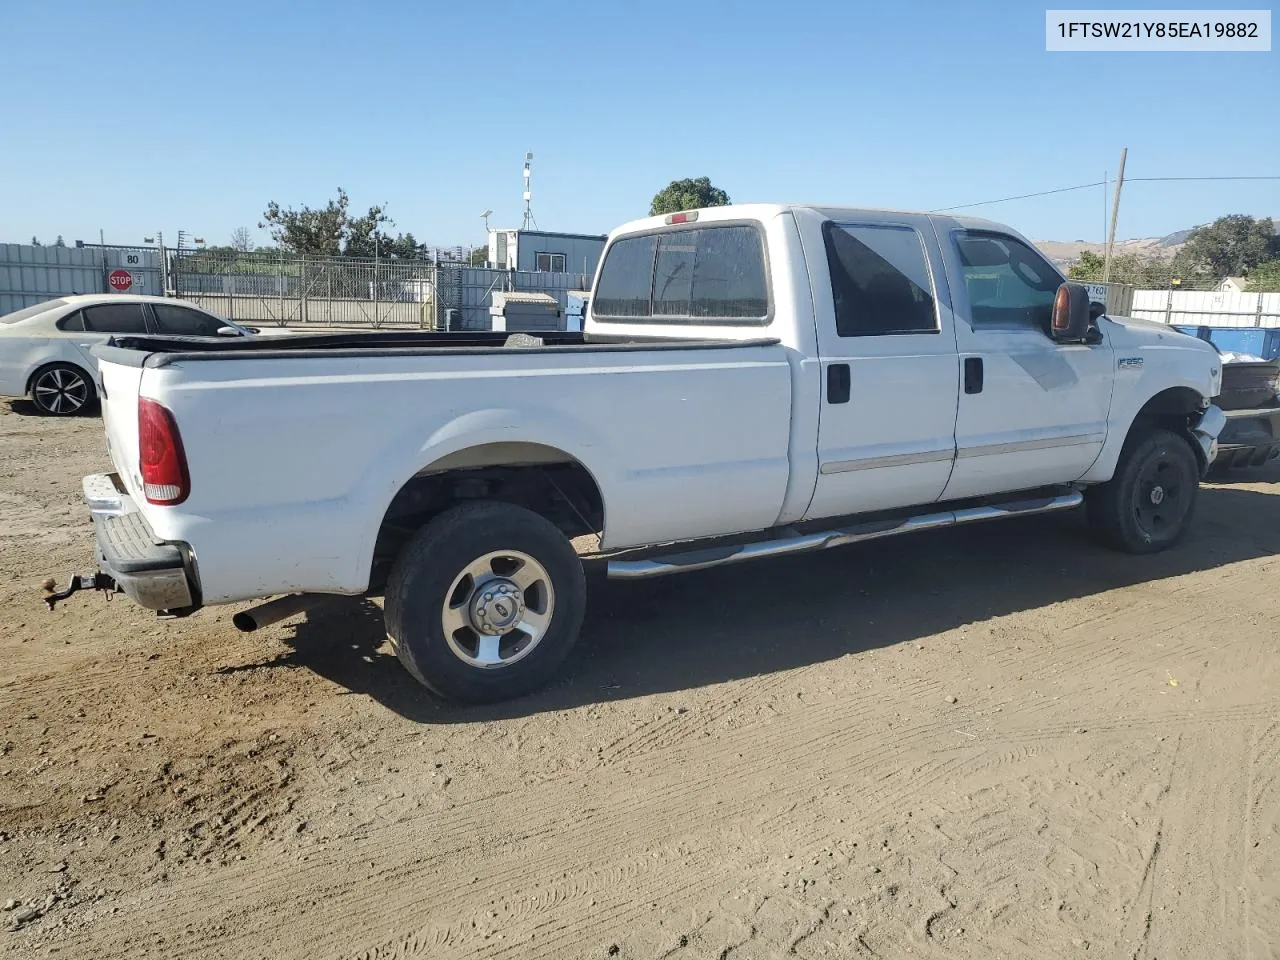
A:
[846,729]
[601,827]
[1260,839]
[672,729]
[627,905]
[595,828]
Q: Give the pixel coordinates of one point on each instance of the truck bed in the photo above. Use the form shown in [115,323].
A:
[297,447]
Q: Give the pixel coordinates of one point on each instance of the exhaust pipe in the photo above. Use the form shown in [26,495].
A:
[274,611]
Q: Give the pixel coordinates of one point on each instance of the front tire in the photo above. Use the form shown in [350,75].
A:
[1148,505]
[62,390]
[485,602]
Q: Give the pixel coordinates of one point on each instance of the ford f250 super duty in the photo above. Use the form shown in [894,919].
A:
[751,381]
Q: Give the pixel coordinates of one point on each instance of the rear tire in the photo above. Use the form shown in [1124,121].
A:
[496,565]
[62,390]
[1149,503]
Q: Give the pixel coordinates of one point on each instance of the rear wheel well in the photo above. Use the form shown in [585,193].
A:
[541,479]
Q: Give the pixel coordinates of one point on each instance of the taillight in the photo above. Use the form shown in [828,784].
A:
[165,480]
[687,216]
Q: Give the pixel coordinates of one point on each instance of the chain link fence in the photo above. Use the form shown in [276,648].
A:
[267,288]
[270,288]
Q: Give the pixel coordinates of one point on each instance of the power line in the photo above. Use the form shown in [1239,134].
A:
[1025,196]
[1166,179]
[1086,186]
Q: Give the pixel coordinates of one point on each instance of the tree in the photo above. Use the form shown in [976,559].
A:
[327,231]
[59,242]
[1128,268]
[1089,267]
[407,247]
[1228,247]
[35,242]
[1265,277]
[479,256]
[687,195]
[241,241]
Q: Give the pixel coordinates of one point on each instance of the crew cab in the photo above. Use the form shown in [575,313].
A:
[752,380]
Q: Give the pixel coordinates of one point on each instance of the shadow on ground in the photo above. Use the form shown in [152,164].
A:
[713,626]
[25,408]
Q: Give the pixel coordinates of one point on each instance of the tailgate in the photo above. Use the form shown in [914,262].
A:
[119,385]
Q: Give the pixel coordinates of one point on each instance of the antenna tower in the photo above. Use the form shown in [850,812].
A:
[528,195]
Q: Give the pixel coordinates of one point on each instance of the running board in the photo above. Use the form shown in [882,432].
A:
[804,543]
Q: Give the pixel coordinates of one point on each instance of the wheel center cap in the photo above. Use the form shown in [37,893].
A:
[1157,495]
[496,607]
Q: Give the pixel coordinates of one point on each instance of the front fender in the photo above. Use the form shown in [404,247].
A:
[1127,404]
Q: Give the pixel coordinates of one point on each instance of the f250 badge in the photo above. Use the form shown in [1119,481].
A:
[1129,363]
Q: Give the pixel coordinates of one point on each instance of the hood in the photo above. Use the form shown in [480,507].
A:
[1133,331]
[1166,356]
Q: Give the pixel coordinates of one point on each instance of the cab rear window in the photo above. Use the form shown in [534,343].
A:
[712,275]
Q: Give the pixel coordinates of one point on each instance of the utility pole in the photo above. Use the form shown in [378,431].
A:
[1115,213]
[164,266]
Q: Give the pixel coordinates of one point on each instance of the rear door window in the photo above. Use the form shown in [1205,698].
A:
[703,275]
[115,318]
[880,280]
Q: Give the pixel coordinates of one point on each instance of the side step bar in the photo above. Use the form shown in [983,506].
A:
[804,543]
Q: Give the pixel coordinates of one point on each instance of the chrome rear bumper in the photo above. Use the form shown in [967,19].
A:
[153,573]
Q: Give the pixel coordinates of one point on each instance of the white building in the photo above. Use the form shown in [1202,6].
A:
[537,250]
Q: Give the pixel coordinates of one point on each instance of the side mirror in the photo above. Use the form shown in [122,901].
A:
[1070,323]
[228,332]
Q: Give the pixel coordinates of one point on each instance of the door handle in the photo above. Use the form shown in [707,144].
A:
[838,383]
[972,374]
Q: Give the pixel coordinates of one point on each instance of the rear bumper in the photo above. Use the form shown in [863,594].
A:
[1250,438]
[153,573]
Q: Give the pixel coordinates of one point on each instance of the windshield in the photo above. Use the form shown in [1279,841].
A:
[32,311]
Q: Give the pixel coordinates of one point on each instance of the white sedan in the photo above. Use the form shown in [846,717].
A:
[44,348]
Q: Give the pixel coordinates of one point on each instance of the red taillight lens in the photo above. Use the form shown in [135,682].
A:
[165,480]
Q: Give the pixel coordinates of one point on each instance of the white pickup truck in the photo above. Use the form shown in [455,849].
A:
[751,381]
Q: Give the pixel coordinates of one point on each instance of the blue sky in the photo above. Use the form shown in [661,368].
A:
[135,117]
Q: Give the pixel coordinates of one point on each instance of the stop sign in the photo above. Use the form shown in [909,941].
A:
[120,280]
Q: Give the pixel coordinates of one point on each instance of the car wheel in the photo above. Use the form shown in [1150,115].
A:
[485,602]
[62,390]
[1148,505]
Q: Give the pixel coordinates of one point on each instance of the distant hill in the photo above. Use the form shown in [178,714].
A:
[1066,252]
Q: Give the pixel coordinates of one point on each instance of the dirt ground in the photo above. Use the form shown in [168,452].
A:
[992,742]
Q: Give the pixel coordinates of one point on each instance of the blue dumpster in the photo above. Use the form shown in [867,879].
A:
[1261,342]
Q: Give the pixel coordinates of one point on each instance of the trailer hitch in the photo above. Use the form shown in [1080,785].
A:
[97,581]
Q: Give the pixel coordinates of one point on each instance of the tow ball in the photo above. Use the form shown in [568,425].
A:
[96,581]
